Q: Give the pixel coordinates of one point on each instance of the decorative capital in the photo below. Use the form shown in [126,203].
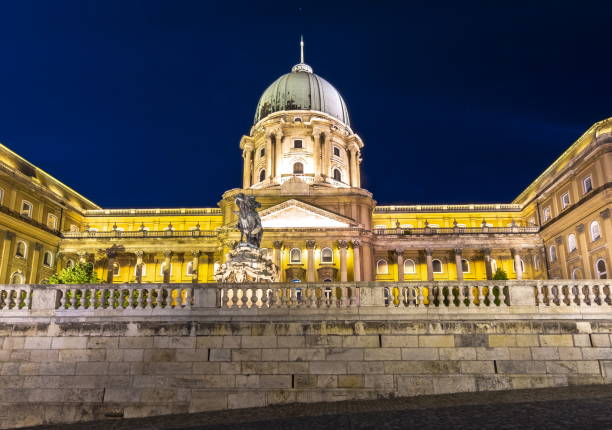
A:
[342,244]
[82,254]
[310,244]
[605,214]
[356,243]
[398,252]
[428,251]
[486,251]
[38,246]
[278,244]
[514,252]
[458,251]
[559,240]
[167,253]
[9,235]
[139,254]
[580,228]
[196,252]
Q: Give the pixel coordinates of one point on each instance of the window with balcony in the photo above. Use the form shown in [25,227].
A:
[26,208]
[21,250]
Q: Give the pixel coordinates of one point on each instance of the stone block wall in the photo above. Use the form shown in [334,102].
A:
[64,371]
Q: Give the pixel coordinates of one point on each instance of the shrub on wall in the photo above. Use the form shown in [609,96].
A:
[81,273]
[500,275]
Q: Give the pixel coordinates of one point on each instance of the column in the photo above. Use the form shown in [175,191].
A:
[310,274]
[584,252]
[247,174]
[429,260]
[561,256]
[517,263]
[487,262]
[356,261]
[342,244]
[606,234]
[195,266]
[139,255]
[278,245]
[167,265]
[367,262]
[399,258]
[35,262]
[353,166]
[458,265]
[357,169]
[269,173]
[316,155]
[8,245]
[278,157]
[110,257]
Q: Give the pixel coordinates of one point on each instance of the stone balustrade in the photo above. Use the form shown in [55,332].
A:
[363,299]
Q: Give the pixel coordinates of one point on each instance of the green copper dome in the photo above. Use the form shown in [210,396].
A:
[302,90]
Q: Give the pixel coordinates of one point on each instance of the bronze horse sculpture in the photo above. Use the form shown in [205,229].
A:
[249,222]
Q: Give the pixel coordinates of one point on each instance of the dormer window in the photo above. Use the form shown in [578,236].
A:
[297,143]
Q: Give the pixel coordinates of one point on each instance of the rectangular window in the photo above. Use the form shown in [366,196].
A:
[262,152]
[52,221]
[547,214]
[587,184]
[297,143]
[336,151]
[565,200]
[26,208]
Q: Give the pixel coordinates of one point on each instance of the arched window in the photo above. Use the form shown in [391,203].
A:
[52,221]
[162,268]
[382,267]
[327,255]
[547,214]
[116,269]
[536,262]
[571,243]
[552,253]
[17,278]
[70,264]
[576,274]
[48,259]
[21,250]
[295,256]
[601,269]
[190,271]
[465,266]
[262,175]
[337,175]
[437,266]
[298,169]
[595,231]
[409,267]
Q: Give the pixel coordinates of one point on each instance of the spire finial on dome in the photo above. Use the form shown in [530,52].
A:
[301,49]
[301,67]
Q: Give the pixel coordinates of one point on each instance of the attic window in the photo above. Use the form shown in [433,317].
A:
[297,119]
[297,143]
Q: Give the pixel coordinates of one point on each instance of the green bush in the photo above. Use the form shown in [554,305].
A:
[81,273]
[500,275]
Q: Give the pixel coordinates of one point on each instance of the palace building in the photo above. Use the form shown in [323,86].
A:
[302,163]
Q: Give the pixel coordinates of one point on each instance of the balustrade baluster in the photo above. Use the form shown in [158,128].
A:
[502,296]
[591,295]
[234,298]
[75,298]
[470,296]
[581,296]
[481,297]
[570,295]
[491,295]
[598,299]
[420,299]
[540,295]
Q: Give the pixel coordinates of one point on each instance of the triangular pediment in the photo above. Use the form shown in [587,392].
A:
[296,214]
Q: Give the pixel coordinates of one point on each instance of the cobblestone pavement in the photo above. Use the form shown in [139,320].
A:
[585,407]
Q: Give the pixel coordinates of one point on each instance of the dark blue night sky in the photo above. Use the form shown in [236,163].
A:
[143,103]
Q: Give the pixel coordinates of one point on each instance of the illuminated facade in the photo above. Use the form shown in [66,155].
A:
[302,162]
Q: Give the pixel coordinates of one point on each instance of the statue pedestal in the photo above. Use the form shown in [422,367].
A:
[246,263]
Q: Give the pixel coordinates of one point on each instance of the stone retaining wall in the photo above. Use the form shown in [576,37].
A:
[65,369]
